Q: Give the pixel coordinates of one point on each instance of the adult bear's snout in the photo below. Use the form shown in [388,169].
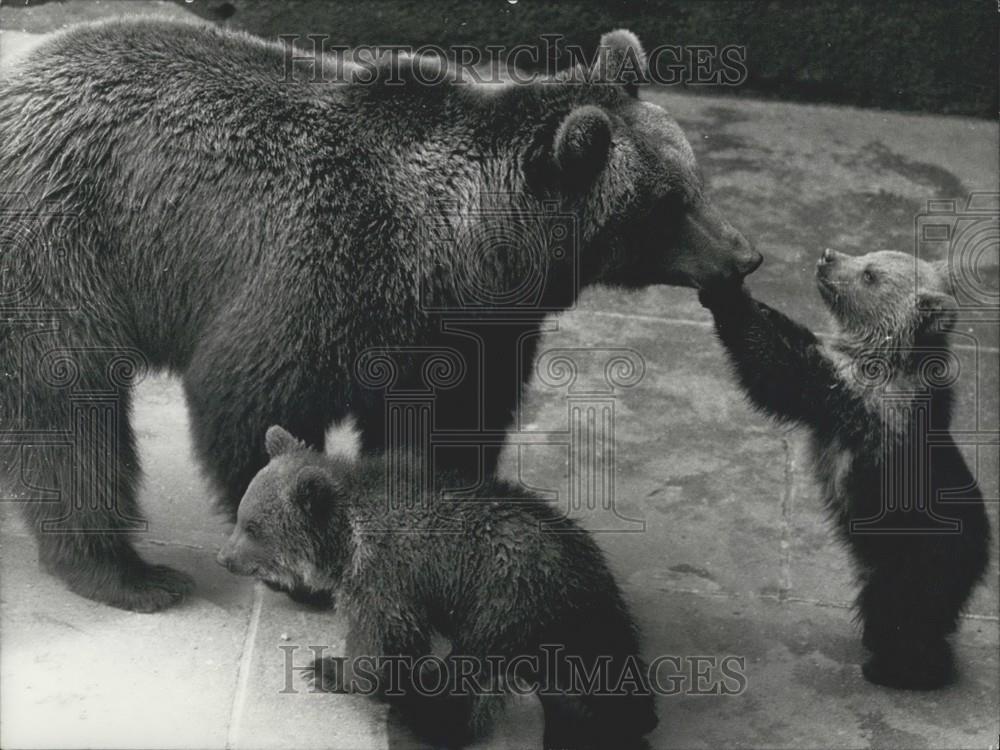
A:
[710,249]
[749,261]
[740,258]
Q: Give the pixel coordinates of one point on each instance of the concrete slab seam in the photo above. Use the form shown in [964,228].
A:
[243,673]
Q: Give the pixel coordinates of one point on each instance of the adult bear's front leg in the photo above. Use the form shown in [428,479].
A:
[495,359]
[79,496]
[239,383]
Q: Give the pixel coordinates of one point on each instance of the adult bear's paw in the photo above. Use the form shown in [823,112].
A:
[107,569]
[152,588]
[140,588]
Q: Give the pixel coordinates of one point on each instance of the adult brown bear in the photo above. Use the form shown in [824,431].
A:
[199,208]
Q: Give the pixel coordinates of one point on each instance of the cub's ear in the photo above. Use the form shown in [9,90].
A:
[313,490]
[277,440]
[938,311]
[621,59]
[582,143]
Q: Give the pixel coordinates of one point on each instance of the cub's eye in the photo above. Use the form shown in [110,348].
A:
[869,277]
[251,530]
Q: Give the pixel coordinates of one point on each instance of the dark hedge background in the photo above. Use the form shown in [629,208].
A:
[936,56]
[933,56]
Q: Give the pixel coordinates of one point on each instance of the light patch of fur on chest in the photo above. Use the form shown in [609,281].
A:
[873,377]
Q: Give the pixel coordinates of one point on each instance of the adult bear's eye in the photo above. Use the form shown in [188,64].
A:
[869,277]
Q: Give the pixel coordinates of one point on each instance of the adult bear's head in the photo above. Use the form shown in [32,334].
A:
[626,169]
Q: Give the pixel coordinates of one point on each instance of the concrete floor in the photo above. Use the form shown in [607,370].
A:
[735,559]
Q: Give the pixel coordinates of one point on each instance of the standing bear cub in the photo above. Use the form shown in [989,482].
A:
[877,400]
[204,202]
[521,593]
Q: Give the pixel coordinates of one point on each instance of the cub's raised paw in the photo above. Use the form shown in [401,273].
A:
[721,295]
[327,674]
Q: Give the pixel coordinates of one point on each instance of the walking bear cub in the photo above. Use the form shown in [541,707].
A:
[518,590]
[903,499]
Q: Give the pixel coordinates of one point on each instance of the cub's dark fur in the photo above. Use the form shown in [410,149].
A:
[195,206]
[911,515]
[510,578]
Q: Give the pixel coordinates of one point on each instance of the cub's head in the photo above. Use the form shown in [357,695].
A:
[283,525]
[627,164]
[886,298]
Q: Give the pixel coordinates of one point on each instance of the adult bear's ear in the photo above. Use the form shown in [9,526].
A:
[582,143]
[277,440]
[943,270]
[621,59]
[314,490]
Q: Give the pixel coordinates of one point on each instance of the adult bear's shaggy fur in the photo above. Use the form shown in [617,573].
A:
[198,208]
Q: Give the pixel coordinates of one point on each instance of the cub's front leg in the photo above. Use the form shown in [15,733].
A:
[327,674]
[360,670]
[782,367]
[377,662]
[778,362]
